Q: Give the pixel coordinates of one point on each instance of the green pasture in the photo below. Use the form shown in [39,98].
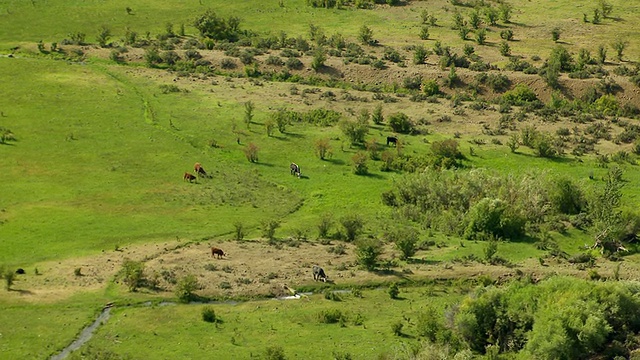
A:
[247,329]
[38,331]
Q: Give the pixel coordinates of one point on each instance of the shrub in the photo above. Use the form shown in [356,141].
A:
[412,82]
[430,88]
[251,152]
[9,277]
[481,36]
[133,274]
[394,291]
[274,352]
[239,232]
[367,252]
[211,26]
[360,166]
[446,153]
[424,33]
[396,328]
[400,123]
[269,228]
[377,116]
[104,34]
[323,148]
[331,316]
[186,287]
[365,35]
[209,314]
[354,130]
[493,217]
[420,54]
[352,224]
[520,95]
[506,34]
[405,239]
[505,49]
[555,34]
[228,63]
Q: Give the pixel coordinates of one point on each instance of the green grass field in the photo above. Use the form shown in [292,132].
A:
[100,152]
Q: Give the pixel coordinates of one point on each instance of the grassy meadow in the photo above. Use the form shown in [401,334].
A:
[94,174]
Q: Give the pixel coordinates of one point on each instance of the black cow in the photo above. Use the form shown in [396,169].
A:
[318,274]
[392,140]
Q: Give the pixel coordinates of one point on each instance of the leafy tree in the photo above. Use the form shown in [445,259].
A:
[239,231]
[133,274]
[319,57]
[596,16]
[367,252]
[323,148]
[463,32]
[400,123]
[274,352]
[186,287]
[269,228]
[170,57]
[405,239]
[151,56]
[211,26]
[430,88]
[555,34]
[506,34]
[493,217]
[605,7]
[481,36]
[325,224]
[251,152]
[365,35]
[104,34]
[513,142]
[269,125]
[446,153]
[248,112]
[420,54]
[505,10]
[505,49]
[9,277]
[567,197]
[602,54]
[619,47]
[491,14]
[354,130]
[424,33]
[458,20]
[352,224]
[377,116]
[474,19]
[394,291]
[604,212]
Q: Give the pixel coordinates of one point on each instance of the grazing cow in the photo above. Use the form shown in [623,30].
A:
[392,140]
[318,274]
[295,169]
[215,251]
[200,170]
[189,177]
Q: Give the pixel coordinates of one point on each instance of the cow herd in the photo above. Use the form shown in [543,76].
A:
[199,172]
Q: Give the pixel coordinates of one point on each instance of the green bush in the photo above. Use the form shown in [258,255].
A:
[209,314]
[394,291]
[400,123]
[186,287]
[274,352]
[430,88]
[367,252]
[520,95]
[494,217]
[133,274]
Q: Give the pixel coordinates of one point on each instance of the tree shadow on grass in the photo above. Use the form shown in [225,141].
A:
[22,292]
[335,161]
[423,261]
[264,164]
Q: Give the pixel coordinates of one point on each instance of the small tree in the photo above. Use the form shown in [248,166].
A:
[619,47]
[251,152]
[555,34]
[325,224]
[474,19]
[365,35]
[373,148]
[319,57]
[491,14]
[377,116]
[269,228]
[505,12]
[186,287]
[406,240]
[248,112]
[9,277]
[596,16]
[424,33]
[463,32]
[505,49]
[360,166]
[514,142]
[605,7]
[387,158]
[238,228]
[133,274]
[400,123]
[323,148]
[104,34]
[420,54]
[269,126]
[352,224]
[430,87]
[354,130]
[394,291]
[481,36]
[152,56]
[602,54]
[507,34]
[367,252]
[209,314]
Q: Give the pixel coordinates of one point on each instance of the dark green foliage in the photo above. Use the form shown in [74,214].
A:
[555,34]
[491,15]
[498,82]
[567,197]
[355,130]
[394,291]
[186,287]
[396,328]
[420,54]
[319,57]
[400,123]
[424,33]
[209,314]
[412,82]
[367,252]
[619,47]
[505,49]
[9,276]
[365,35]
[331,316]
[325,224]
[506,34]
[352,225]
[377,116]
[104,34]
[481,36]
[211,26]
[520,95]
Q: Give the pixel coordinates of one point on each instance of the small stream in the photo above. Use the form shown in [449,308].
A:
[87,332]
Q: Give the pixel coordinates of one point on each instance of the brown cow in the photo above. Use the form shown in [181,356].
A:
[189,177]
[215,251]
[200,170]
